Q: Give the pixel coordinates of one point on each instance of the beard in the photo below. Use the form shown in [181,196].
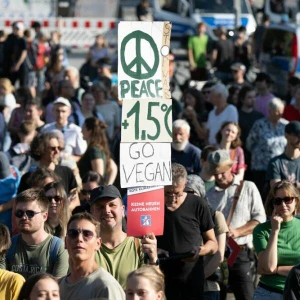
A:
[179,146]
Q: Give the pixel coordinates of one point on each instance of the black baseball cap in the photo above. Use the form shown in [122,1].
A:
[104,191]
[293,128]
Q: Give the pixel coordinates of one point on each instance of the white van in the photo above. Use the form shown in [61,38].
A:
[279,55]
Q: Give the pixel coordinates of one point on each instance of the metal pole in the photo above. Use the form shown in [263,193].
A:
[237,10]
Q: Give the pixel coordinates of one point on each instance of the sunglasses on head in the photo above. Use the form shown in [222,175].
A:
[286,200]
[74,233]
[85,192]
[56,198]
[29,213]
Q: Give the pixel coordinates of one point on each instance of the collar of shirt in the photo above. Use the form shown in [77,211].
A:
[236,181]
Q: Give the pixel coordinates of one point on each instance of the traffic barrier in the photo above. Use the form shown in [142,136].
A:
[75,32]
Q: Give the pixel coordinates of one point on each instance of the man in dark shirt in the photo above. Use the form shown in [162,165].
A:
[287,165]
[182,151]
[142,11]
[222,55]
[188,228]
[15,51]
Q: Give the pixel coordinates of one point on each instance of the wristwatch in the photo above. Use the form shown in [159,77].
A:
[156,263]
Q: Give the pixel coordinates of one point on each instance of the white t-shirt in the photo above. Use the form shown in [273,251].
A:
[215,122]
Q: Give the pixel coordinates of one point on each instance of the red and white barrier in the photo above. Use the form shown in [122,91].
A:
[75,32]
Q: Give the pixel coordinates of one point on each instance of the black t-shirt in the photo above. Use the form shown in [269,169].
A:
[284,168]
[246,121]
[225,55]
[65,173]
[13,49]
[182,231]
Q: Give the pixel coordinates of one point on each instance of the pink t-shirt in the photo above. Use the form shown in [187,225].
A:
[237,155]
[261,103]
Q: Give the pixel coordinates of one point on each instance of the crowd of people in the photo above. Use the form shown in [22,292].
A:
[235,178]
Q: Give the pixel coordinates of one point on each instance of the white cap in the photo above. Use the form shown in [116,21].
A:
[62,100]
[19,25]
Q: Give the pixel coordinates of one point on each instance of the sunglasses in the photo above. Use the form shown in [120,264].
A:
[286,200]
[85,192]
[55,148]
[28,213]
[56,198]
[74,233]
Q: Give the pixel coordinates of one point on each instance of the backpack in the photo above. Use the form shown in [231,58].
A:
[54,248]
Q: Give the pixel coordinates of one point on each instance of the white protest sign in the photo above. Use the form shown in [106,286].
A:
[147,120]
[143,68]
[145,164]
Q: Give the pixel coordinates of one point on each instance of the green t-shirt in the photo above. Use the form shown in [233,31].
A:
[32,259]
[84,164]
[122,260]
[199,46]
[287,248]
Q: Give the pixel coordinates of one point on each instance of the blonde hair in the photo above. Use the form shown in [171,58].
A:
[6,83]
[154,275]
[289,188]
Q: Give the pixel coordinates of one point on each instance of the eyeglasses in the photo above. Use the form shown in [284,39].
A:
[29,213]
[55,148]
[286,200]
[85,192]
[74,233]
[56,198]
[173,195]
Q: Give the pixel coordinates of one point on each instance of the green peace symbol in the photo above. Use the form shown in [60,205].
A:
[139,60]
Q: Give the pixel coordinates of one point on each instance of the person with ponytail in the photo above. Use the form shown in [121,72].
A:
[97,156]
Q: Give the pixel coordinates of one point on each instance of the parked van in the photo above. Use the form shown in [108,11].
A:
[280,54]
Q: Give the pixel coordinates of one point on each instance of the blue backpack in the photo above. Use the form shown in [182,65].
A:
[54,248]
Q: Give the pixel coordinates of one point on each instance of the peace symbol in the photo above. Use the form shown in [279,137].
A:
[139,61]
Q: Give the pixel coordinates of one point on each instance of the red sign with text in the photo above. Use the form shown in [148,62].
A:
[145,212]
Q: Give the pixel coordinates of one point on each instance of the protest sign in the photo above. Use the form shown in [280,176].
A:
[145,164]
[145,211]
[143,68]
[147,120]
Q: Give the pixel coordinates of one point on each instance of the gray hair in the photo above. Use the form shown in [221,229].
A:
[75,71]
[220,89]
[179,174]
[182,124]
[275,103]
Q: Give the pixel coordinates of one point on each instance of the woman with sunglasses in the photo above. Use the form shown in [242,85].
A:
[58,211]
[277,242]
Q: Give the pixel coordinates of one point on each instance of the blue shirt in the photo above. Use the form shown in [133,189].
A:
[189,157]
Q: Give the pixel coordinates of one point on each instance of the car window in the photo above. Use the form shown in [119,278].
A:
[278,42]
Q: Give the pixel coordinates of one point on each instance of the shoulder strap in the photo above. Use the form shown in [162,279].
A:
[234,203]
[54,249]
[11,251]
[137,246]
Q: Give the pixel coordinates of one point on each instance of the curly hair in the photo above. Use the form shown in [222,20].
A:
[39,144]
[98,137]
[291,191]
[237,142]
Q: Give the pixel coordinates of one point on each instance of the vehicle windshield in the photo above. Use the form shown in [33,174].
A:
[219,6]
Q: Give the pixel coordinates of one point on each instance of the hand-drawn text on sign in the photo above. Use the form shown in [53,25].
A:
[147,120]
[145,164]
[144,50]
